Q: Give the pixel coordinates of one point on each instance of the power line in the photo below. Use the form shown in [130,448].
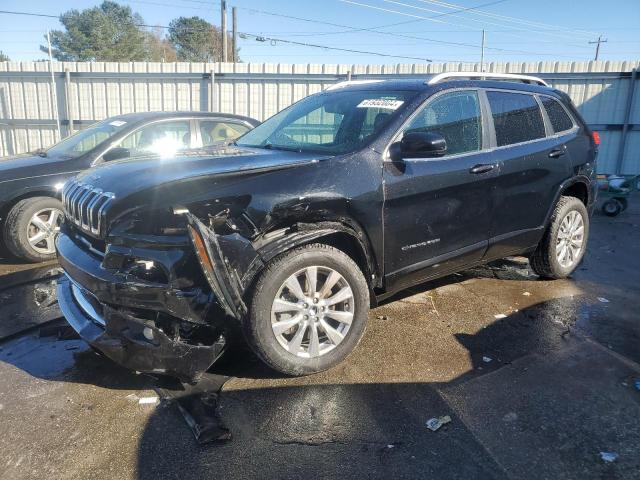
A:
[355,30]
[507,17]
[304,44]
[388,10]
[379,54]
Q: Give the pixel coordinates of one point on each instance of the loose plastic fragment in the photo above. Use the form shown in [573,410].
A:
[147,400]
[382,317]
[638,385]
[487,359]
[608,457]
[499,316]
[603,300]
[434,424]
[510,417]
[527,294]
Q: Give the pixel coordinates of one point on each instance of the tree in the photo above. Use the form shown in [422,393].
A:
[159,48]
[196,40]
[3,57]
[109,33]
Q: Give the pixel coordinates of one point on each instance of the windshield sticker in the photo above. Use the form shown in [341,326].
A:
[380,103]
[117,123]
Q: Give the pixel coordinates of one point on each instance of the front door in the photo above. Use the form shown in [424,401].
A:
[437,211]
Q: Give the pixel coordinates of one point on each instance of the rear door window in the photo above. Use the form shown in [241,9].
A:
[560,120]
[214,131]
[516,117]
[159,137]
[456,116]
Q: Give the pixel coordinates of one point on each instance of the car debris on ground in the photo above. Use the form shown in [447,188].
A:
[608,457]
[434,424]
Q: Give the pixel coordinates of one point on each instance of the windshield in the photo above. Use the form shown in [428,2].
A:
[331,122]
[87,139]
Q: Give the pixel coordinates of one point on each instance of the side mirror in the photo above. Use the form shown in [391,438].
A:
[116,153]
[422,144]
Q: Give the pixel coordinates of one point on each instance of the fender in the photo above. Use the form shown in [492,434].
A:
[586,181]
[231,262]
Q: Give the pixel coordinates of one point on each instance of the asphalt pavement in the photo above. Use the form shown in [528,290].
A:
[538,378]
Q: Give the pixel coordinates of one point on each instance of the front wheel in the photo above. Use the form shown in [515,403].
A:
[563,245]
[31,228]
[309,310]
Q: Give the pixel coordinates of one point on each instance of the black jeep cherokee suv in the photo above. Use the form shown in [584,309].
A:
[345,197]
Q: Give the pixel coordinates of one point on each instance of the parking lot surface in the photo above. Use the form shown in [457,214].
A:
[538,378]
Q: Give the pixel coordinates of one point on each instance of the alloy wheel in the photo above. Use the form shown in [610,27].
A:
[42,229]
[312,311]
[570,239]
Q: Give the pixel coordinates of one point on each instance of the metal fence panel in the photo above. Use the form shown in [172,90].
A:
[605,93]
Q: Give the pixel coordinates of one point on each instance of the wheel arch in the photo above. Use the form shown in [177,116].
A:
[24,195]
[577,187]
[346,237]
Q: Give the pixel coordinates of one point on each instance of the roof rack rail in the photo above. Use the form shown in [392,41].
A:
[488,76]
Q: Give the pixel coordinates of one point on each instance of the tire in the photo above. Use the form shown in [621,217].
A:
[545,261]
[19,225]
[612,208]
[624,203]
[270,346]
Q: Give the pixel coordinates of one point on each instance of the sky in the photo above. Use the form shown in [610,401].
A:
[377,31]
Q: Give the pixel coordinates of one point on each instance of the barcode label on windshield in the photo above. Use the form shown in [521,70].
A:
[380,103]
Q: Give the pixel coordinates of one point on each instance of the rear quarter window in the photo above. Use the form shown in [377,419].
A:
[560,120]
[516,117]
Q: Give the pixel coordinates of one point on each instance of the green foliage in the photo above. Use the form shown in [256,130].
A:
[196,40]
[107,33]
[3,57]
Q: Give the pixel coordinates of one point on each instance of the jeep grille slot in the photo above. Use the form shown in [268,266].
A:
[85,206]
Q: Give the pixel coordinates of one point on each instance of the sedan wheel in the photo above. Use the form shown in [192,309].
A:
[42,229]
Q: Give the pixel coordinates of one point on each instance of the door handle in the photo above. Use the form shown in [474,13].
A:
[557,152]
[482,168]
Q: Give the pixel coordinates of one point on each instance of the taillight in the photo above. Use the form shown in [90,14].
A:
[596,138]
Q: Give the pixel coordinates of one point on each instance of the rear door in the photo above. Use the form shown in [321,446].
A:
[437,211]
[533,164]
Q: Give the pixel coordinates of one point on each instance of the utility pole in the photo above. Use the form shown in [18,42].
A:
[54,94]
[598,42]
[234,26]
[482,53]
[223,12]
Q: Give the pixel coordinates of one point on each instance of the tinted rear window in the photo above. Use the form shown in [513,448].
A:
[516,117]
[560,121]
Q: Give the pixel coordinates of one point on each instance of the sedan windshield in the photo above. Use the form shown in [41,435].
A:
[86,139]
[332,122]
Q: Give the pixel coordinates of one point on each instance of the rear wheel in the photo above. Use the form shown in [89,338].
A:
[31,228]
[309,310]
[561,249]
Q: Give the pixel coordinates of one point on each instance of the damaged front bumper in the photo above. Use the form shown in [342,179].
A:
[131,342]
[131,322]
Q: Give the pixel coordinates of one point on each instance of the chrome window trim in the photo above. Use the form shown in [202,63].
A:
[566,110]
[423,105]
